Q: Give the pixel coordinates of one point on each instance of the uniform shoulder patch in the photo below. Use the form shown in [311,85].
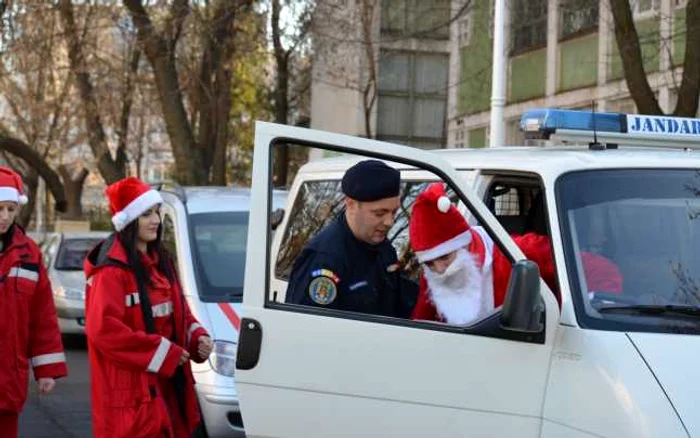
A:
[326,273]
[322,290]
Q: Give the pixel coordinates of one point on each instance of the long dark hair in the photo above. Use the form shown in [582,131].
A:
[129,239]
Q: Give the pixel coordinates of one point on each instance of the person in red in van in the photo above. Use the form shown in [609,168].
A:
[29,332]
[140,331]
[465,276]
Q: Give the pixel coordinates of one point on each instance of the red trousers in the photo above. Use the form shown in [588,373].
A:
[8,425]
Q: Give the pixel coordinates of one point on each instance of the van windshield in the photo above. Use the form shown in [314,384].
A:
[219,251]
[636,236]
[72,253]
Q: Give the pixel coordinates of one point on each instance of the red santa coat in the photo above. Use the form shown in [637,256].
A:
[132,395]
[601,274]
[29,332]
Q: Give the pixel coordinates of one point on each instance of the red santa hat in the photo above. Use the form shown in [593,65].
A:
[11,187]
[436,227]
[128,199]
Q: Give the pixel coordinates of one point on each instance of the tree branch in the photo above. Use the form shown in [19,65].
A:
[687,104]
[179,11]
[22,150]
[110,170]
[631,54]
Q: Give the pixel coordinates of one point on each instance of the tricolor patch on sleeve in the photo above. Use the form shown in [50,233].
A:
[326,273]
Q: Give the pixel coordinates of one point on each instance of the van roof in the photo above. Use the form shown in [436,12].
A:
[532,159]
[222,199]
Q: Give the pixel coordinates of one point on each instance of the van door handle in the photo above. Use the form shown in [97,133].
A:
[249,343]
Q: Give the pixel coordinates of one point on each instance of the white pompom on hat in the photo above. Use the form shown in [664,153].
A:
[128,199]
[11,186]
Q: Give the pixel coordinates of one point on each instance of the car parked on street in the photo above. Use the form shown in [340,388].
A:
[64,254]
[206,231]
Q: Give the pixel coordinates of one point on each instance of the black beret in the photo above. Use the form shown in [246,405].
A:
[371,180]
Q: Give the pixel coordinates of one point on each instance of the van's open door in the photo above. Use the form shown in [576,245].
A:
[304,373]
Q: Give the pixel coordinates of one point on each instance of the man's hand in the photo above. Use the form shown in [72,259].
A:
[205,347]
[46,385]
[184,358]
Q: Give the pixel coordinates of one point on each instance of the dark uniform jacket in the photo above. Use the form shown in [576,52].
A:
[336,270]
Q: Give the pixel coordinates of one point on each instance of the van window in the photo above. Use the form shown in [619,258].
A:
[319,202]
[641,228]
[518,204]
[218,242]
[337,257]
[72,253]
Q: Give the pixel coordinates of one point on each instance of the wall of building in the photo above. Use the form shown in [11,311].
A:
[574,69]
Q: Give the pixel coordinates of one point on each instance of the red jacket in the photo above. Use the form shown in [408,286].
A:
[601,273]
[127,364]
[29,330]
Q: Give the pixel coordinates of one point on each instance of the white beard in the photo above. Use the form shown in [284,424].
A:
[460,294]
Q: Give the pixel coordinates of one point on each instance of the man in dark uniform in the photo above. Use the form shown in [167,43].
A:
[350,265]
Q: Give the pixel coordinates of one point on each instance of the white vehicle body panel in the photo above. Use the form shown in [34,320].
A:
[308,361]
[600,384]
[330,376]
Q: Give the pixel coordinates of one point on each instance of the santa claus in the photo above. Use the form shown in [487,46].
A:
[465,276]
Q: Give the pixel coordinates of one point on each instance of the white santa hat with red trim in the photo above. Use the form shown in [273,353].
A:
[128,199]
[436,227]
[11,187]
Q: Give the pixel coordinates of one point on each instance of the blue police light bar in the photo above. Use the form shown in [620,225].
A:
[543,123]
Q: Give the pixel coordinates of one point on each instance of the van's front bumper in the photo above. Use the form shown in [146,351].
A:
[220,411]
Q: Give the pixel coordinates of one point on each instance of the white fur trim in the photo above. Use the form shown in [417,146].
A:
[443,204]
[10,194]
[446,247]
[135,208]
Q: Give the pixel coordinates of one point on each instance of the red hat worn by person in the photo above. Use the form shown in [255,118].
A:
[11,187]
[436,227]
[128,199]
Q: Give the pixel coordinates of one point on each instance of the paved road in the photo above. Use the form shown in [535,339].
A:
[65,413]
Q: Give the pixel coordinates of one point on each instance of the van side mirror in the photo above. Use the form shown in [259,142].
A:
[276,218]
[523,306]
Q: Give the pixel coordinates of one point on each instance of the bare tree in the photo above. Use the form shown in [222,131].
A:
[628,43]
[199,143]
[111,168]
[287,61]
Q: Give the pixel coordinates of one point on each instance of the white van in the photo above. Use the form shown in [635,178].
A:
[206,228]
[600,363]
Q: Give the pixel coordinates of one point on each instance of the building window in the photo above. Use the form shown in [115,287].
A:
[416,18]
[412,98]
[578,16]
[644,8]
[460,138]
[465,28]
[528,24]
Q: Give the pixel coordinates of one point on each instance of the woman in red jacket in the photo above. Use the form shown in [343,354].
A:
[29,332]
[141,334]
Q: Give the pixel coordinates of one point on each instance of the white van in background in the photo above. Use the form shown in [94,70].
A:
[206,229]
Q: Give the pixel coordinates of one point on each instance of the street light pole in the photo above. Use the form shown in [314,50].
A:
[498,77]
